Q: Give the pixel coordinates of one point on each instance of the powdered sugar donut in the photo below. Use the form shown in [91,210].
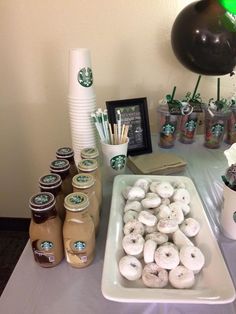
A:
[149,250]
[166,257]
[150,229]
[183,206]
[153,186]
[181,277]
[135,194]
[165,201]
[154,276]
[192,258]
[130,215]
[130,267]
[176,212]
[158,237]
[147,218]
[164,212]
[165,189]
[126,191]
[181,195]
[133,205]
[190,227]
[180,239]
[151,200]
[133,244]
[143,183]
[167,225]
[133,226]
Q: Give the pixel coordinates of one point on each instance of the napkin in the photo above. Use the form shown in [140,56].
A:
[156,163]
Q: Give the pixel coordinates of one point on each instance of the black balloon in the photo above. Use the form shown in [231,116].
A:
[201,42]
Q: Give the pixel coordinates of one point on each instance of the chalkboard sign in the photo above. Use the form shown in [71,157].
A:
[134,112]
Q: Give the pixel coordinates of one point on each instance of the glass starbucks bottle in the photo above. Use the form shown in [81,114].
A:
[92,153]
[78,231]
[45,230]
[68,154]
[52,183]
[91,166]
[62,167]
[85,183]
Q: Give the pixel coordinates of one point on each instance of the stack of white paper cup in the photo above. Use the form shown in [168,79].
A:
[81,100]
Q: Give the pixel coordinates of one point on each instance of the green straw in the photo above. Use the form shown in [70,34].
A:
[173,94]
[196,87]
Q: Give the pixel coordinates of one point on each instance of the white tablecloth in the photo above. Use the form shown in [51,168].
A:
[62,289]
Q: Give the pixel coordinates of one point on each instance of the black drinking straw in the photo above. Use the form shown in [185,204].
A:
[218,89]
[196,87]
[173,94]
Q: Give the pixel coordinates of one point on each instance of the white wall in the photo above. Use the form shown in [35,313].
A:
[131,56]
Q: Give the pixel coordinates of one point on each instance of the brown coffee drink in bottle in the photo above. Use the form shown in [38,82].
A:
[78,231]
[91,166]
[68,154]
[85,183]
[52,183]
[45,230]
[62,167]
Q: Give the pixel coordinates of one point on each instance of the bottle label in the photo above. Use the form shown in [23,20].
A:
[85,77]
[41,252]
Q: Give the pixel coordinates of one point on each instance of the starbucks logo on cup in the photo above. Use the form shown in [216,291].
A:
[118,162]
[85,77]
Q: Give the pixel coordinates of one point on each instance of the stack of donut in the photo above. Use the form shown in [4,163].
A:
[159,235]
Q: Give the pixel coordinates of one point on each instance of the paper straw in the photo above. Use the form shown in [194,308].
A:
[196,87]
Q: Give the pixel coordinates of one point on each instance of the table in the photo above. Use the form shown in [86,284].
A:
[63,289]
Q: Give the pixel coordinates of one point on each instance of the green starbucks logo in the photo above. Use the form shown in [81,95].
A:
[46,245]
[76,199]
[49,179]
[168,129]
[85,77]
[118,162]
[190,125]
[79,245]
[82,178]
[217,129]
[41,199]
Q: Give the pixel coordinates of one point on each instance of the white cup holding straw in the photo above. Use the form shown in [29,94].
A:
[114,158]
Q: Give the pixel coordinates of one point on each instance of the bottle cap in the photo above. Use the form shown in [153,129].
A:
[64,152]
[89,153]
[50,181]
[60,165]
[42,201]
[76,201]
[87,165]
[83,181]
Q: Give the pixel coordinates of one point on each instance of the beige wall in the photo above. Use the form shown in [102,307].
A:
[131,54]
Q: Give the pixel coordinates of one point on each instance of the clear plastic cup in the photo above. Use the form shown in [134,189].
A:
[167,127]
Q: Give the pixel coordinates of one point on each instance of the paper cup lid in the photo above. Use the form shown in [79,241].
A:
[76,201]
[87,165]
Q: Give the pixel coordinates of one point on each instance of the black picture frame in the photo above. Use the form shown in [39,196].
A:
[134,112]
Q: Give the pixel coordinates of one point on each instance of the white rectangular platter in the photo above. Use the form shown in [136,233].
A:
[213,284]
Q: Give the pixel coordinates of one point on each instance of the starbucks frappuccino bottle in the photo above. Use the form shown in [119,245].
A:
[68,154]
[62,167]
[85,183]
[45,230]
[91,166]
[78,231]
[52,183]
